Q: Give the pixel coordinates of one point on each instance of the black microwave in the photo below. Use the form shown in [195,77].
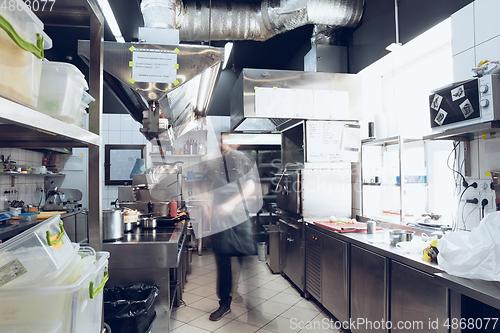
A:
[465,103]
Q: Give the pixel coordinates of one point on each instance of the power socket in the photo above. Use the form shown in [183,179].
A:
[491,201]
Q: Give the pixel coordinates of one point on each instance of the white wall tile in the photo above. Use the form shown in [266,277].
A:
[114,122]
[105,122]
[114,137]
[135,125]
[126,122]
[462,65]
[125,137]
[489,50]
[137,138]
[486,22]
[462,29]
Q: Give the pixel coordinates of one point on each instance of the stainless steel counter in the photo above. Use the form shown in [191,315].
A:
[380,243]
[146,256]
[11,229]
[487,292]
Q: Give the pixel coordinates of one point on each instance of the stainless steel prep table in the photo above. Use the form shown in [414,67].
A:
[147,256]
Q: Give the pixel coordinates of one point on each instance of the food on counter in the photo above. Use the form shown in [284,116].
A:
[333,219]
[130,215]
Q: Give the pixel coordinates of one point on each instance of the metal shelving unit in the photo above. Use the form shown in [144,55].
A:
[24,127]
[395,140]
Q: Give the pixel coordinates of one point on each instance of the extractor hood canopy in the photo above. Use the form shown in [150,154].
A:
[183,95]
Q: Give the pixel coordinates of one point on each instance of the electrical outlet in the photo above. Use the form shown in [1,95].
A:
[491,201]
[484,185]
[471,197]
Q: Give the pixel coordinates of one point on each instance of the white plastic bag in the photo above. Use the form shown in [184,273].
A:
[475,254]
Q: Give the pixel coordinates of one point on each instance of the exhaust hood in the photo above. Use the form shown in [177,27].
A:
[167,88]
[271,100]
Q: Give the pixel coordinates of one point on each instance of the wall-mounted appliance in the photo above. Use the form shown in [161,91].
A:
[465,103]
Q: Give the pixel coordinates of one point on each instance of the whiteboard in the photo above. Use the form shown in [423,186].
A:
[332,141]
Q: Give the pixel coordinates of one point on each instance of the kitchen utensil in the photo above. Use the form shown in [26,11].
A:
[112,224]
[370,227]
[398,235]
[15,211]
[149,222]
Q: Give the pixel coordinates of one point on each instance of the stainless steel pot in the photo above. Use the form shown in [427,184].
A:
[112,224]
[149,222]
[398,235]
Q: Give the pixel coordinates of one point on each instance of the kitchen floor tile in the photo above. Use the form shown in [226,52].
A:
[276,285]
[203,291]
[306,304]
[300,314]
[186,313]
[255,318]
[271,307]
[264,331]
[263,293]
[175,324]
[189,329]
[291,290]
[203,280]
[249,302]
[286,299]
[236,311]
[191,285]
[206,304]
[282,325]
[189,298]
[235,326]
[204,323]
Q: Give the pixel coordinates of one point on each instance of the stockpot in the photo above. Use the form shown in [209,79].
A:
[112,224]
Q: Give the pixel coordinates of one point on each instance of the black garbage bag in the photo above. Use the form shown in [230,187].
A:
[130,309]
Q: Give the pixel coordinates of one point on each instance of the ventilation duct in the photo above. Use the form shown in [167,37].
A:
[235,20]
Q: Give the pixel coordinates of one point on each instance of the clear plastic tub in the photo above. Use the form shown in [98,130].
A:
[61,91]
[36,327]
[77,306]
[28,217]
[19,69]
[38,253]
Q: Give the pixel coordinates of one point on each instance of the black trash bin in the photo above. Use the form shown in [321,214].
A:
[130,309]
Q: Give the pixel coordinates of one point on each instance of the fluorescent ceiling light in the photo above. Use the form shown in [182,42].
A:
[113,25]
[228,48]
[393,47]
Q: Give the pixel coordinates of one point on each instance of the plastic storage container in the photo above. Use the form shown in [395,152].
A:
[28,217]
[61,91]
[36,327]
[20,69]
[38,253]
[77,306]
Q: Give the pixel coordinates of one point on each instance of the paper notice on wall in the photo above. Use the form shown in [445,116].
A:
[323,140]
[351,138]
[154,66]
[273,102]
[331,104]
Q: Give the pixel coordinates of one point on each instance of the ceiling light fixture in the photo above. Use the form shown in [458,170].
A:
[113,25]
[228,48]
[394,46]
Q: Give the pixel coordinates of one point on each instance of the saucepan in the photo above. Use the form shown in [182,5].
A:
[399,235]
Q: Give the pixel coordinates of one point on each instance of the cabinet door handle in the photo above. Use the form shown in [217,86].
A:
[290,239]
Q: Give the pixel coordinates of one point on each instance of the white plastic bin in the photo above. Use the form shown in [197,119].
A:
[36,327]
[77,306]
[61,91]
[19,69]
[36,254]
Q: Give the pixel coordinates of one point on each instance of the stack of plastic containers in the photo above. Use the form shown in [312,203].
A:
[61,91]
[22,41]
[48,284]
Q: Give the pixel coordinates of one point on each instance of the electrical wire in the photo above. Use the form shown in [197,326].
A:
[448,161]
[465,228]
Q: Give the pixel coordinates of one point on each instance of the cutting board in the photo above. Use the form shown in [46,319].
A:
[343,227]
[44,215]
